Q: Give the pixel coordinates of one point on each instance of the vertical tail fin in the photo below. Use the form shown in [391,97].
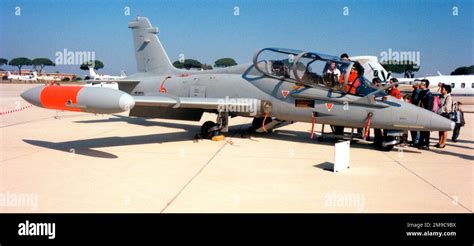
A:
[92,72]
[149,53]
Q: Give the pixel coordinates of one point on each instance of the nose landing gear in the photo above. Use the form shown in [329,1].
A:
[213,130]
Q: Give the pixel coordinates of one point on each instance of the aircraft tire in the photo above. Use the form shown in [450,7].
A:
[388,147]
[205,133]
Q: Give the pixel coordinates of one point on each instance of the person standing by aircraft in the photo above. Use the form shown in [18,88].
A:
[353,81]
[415,99]
[377,82]
[447,111]
[404,142]
[345,57]
[378,135]
[339,130]
[459,121]
[426,102]
[393,91]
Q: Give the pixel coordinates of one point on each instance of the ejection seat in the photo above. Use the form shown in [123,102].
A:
[280,69]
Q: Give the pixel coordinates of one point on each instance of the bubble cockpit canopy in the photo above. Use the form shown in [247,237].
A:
[308,68]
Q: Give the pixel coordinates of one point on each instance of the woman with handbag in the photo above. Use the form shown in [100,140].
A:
[447,111]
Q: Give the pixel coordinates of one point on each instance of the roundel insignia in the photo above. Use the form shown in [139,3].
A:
[329,106]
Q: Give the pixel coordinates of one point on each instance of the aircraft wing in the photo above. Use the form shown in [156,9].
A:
[190,108]
[195,102]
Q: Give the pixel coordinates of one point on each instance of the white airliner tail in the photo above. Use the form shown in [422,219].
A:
[92,72]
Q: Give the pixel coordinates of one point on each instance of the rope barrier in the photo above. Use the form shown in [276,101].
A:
[16,110]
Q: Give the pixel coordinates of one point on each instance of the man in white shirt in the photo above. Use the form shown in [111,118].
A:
[334,70]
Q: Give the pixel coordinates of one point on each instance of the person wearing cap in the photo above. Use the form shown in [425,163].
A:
[426,102]
[459,121]
[393,91]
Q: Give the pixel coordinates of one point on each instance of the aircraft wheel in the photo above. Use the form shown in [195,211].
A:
[388,147]
[205,133]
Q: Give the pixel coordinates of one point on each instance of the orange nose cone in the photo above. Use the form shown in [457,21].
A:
[59,97]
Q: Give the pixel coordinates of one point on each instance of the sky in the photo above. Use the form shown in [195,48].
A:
[440,31]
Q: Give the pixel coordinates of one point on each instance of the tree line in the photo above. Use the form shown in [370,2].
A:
[19,62]
[39,64]
[192,63]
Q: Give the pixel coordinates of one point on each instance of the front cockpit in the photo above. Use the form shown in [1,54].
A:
[313,70]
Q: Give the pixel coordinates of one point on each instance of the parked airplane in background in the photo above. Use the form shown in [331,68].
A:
[45,77]
[108,84]
[280,86]
[462,86]
[94,76]
[20,77]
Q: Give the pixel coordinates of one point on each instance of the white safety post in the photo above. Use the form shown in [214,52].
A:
[341,155]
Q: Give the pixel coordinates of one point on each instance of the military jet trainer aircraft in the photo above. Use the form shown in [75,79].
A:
[280,86]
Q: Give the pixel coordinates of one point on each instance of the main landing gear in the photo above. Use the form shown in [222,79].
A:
[266,124]
[213,130]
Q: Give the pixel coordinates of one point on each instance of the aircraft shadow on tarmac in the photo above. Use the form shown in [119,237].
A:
[87,146]
[304,137]
[451,143]
[142,122]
